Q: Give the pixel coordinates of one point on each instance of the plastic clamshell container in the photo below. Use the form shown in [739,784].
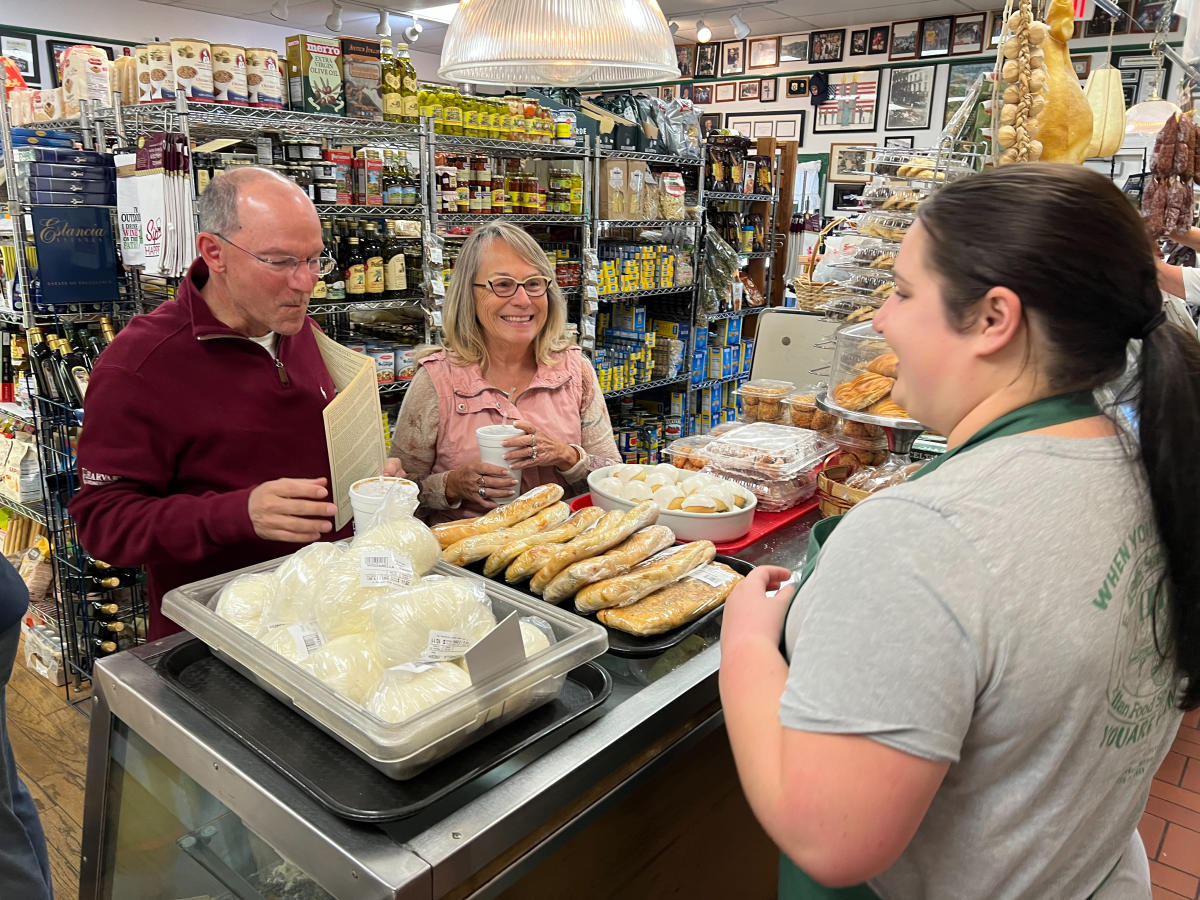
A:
[764,450]
[774,494]
[802,405]
[717,527]
[688,452]
[762,399]
[400,750]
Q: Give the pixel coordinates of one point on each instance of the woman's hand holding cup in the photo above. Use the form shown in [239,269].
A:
[481,483]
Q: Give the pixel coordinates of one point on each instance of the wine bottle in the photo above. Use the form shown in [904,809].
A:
[104,609]
[104,627]
[78,369]
[102,647]
[43,366]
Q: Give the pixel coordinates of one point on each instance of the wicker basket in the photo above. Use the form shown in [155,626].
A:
[812,295]
[833,497]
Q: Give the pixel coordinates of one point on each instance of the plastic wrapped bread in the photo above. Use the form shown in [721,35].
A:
[456,608]
[84,71]
[675,605]
[350,665]
[243,600]
[404,691]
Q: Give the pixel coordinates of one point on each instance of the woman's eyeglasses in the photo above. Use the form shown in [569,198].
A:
[535,286]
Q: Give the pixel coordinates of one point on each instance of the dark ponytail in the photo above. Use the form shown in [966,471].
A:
[1168,412]
[1073,248]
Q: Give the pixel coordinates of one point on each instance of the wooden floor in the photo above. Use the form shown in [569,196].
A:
[49,739]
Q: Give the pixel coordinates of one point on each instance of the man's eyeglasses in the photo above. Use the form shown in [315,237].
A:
[318,265]
[535,286]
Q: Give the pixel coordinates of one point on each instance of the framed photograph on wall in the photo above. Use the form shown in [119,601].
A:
[847,162]
[878,41]
[1102,24]
[827,46]
[793,48]
[858,43]
[1082,66]
[764,53]
[960,78]
[846,197]
[995,27]
[21,48]
[685,91]
[783,124]
[910,98]
[53,48]
[685,55]
[706,60]
[726,92]
[748,90]
[900,143]
[733,57]
[968,34]
[702,94]
[935,36]
[853,106]
[709,122]
[667,92]
[797,86]
[1146,14]
[905,37]
[766,90]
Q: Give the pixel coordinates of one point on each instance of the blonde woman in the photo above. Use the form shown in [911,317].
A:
[504,360]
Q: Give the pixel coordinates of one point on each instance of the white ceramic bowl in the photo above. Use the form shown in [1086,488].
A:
[715,527]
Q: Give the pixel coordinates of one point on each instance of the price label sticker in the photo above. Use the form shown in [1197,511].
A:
[444,645]
[307,637]
[712,575]
[385,568]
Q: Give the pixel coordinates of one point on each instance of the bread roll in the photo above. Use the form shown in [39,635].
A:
[616,561]
[472,549]
[593,542]
[577,524]
[675,605]
[655,573]
[531,560]
[500,517]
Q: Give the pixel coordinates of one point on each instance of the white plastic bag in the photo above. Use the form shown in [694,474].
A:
[349,665]
[350,585]
[296,597]
[437,619]
[244,600]
[394,526]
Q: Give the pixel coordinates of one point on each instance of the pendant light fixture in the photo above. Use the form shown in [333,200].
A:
[384,28]
[333,21]
[740,28]
[279,10]
[559,43]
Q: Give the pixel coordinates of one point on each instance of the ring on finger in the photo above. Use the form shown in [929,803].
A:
[533,455]
[483,492]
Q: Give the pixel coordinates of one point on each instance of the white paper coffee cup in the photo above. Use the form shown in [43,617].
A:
[367,494]
[491,451]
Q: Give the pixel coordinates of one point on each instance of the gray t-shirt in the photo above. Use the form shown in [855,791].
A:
[994,615]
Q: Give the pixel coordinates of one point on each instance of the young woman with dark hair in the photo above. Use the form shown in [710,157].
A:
[985,666]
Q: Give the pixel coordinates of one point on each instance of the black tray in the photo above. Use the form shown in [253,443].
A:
[630,646]
[331,774]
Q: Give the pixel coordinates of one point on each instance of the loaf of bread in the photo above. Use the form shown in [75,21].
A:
[572,527]
[617,561]
[475,548]
[531,560]
[500,517]
[594,542]
[646,578]
[675,605]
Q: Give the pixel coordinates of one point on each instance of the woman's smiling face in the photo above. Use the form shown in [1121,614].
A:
[515,320]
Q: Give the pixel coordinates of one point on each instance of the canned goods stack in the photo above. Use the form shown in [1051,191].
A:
[644,428]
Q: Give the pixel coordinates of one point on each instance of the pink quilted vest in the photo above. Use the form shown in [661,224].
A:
[552,402]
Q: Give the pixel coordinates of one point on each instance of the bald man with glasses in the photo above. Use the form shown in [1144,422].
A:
[203,448]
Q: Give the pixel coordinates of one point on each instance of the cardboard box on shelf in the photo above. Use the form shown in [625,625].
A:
[614,189]
[315,74]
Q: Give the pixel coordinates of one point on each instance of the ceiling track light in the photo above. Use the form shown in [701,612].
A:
[674,26]
[703,32]
[384,28]
[740,28]
[279,9]
[413,31]
[333,21]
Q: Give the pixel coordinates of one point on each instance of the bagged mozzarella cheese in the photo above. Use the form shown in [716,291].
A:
[437,619]
[350,585]
[349,665]
[536,635]
[295,599]
[394,526]
[294,642]
[405,691]
[243,600]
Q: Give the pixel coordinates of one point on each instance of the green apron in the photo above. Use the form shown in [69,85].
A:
[793,883]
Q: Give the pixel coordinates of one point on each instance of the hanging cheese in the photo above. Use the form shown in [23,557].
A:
[1067,120]
[1107,99]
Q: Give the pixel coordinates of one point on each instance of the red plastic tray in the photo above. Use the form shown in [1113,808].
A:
[762,524]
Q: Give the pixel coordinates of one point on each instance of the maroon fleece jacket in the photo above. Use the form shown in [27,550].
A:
[183,418]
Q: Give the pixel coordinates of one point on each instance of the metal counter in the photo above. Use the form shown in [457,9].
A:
[477,841]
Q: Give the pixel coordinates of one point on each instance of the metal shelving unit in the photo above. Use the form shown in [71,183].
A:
[713,382]
[646,386]
[736,313]
[389,212]
[322,309]
[665,159]
[34,509]
[451,219]
[452,142]
[738,196]
[394,387]
[603,224]
[649,292]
